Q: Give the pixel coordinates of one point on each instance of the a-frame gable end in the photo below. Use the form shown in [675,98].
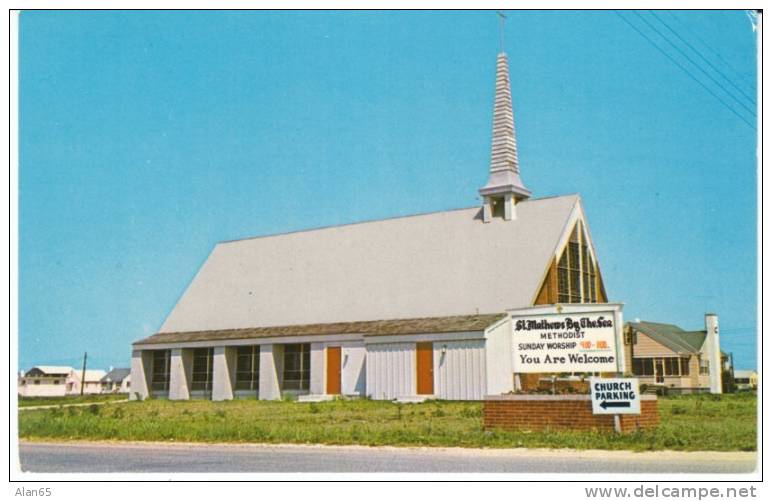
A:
[558,275]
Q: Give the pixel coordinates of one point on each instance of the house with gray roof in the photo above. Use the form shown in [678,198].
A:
[117,380]
[667,356]
[403,308]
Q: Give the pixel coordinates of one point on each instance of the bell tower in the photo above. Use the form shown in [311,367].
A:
[504,188]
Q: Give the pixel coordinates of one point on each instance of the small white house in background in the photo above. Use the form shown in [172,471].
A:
[92,383]
[746,380]
[117,381]
[45,381]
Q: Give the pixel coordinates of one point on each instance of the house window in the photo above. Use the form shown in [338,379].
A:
[704,367]
[297,366]
[201,378]
[161,369]
[577,271]
[37,381]
[684,366]
[643,366]
[671,367]
[56,381]
[248,368]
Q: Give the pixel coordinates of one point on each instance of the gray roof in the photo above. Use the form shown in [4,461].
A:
[432,265]
[50,370]
[672,336]
[116,376]
[468,323]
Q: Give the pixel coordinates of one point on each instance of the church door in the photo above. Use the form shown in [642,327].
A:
[333,370]
[424,368]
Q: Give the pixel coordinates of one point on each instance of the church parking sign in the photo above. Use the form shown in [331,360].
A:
[615,396]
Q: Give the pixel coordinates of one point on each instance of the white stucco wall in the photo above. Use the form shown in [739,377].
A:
[271,366]
[46,388]
[498,356]
[180,373]
[140,374]
[223,372]
[353,370]
[318,369]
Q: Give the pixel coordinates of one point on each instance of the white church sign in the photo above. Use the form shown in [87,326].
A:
[579,338]
[615,396]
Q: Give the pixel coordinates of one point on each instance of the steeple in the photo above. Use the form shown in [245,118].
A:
[504,188]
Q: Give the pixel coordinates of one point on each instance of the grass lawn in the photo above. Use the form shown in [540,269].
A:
[73,399]
[697,422]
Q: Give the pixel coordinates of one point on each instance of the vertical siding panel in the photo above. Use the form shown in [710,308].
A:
[461,375]
[392,374]
[469,376]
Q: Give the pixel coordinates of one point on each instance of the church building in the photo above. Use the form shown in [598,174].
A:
[405,308]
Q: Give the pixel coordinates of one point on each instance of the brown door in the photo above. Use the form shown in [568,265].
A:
[424,369]
[333,370]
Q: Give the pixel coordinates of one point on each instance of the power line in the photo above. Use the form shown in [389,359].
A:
[750,99]
[710,48]
[684,70]
[752,112]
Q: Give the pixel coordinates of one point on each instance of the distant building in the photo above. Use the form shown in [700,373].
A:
[92,383]
[666,355]
[45,381]
[746,380]
[117,381]
[58,381]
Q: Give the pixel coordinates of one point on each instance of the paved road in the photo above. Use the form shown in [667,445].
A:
[154,457]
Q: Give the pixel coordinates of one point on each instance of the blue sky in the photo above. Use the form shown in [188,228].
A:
[147,137]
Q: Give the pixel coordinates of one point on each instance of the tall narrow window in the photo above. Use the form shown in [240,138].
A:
[563,278]
[248,368]
[160,370]
[297,366]
[574,267]
[577,271]
[593,288]
[203,359]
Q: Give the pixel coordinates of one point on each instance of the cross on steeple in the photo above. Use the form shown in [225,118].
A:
[502,18]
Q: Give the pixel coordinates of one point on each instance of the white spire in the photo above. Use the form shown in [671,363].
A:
[504,184]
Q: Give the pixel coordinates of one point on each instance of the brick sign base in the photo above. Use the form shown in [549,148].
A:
[539,412]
